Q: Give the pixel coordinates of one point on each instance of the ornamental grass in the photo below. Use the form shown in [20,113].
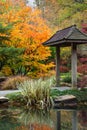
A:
[11,82]
[36,92]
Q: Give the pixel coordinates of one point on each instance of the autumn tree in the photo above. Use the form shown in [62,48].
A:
[28,32]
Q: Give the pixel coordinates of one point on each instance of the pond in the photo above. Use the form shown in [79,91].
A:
[32,119]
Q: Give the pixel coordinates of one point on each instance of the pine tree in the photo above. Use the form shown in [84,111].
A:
[8,55]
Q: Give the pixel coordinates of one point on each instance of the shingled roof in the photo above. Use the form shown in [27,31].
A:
[67,36]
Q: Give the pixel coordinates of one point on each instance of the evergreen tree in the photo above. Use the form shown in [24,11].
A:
[9,56]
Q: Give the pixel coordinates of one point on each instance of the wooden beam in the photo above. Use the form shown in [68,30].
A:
[57,66]
[74,65]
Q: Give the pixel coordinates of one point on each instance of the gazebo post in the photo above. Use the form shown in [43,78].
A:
[57,66]
[74,65]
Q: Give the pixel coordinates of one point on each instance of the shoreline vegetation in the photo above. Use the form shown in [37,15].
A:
[38,93]
[17,99]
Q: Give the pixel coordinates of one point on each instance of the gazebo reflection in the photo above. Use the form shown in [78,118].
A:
[77,117]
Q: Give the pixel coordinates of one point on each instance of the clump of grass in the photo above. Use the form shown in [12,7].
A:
[11,82]
[36,92]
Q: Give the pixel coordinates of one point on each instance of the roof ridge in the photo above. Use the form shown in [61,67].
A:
[66,28]
[82,32]
[62,30]
[71,31]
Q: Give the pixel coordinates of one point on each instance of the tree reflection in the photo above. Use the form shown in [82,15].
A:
[78,120]
[83,118]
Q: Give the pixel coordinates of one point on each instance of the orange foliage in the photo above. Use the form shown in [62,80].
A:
[29,31]
[41,127]
[35,127]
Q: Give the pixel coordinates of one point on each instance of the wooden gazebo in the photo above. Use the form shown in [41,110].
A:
[70,36]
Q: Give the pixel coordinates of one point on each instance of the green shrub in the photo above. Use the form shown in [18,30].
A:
[15,97]
[66,78]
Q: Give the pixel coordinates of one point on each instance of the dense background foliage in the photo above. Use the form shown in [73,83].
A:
[23,29]
[28,31]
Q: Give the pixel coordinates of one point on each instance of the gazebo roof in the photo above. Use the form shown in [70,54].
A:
[67,36]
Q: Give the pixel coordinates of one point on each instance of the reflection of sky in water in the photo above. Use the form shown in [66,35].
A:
[31,3]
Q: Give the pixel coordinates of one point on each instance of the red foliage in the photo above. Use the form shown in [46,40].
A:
[64,69]
[83,60]
[84,27]
[82,82]
[82,69]
[83,117]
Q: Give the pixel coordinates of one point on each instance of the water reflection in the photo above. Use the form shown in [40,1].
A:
[83,118]
[74,120]
[58,120]
[36,119]
[33,119]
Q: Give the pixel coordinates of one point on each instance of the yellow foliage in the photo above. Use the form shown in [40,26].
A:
[6,70]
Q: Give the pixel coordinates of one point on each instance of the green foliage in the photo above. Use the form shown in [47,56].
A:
[15,97]
[9,56]
[80,94]
[64,12]
[70,10]
[66,78]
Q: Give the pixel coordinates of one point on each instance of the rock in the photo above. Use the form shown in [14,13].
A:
[3,99]
[64,98]
[68,100]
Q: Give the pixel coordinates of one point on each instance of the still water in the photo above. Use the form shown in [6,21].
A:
[20,119]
